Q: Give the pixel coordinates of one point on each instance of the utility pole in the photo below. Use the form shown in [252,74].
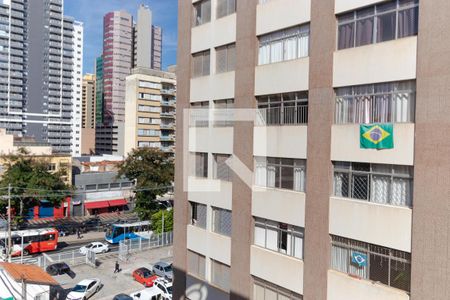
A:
[9,223]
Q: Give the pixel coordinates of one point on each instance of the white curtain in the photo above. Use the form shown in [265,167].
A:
[260,173]
[264,54]
[401,194]
[298,247]
[272,238]
[271,176]
[401,106]
[339,258]
[303,45]
[380,189]
[340,180]
[299,179]
[290,48]
[260,236]
[276,51]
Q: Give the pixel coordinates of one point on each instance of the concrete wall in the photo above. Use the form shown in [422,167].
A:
[213,87]
[347,5]
[286,76]
[209,244]
[211,139]
[343,287]
[275,15]
[383,225]
[279,205]
[215,33]
[383,62]
[280,141]
[217,193]
[200,290]
[277,268]
[345,146]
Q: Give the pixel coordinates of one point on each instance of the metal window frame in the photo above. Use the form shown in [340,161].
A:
[299,102]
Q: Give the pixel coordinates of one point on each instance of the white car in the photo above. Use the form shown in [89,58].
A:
[165,286]
[84,289]
[152,293]
[95,247]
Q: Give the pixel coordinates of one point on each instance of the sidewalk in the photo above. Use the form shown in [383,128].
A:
[86,237]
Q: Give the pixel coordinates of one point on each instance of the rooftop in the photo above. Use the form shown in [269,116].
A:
[28,273]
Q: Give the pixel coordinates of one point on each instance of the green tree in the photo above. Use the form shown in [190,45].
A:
[157,220]
[31,181]
[153,171]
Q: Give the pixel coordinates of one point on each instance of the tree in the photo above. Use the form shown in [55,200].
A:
[153,171]
[157,220]
[31,181]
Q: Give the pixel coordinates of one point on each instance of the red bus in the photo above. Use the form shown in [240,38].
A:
[33,241]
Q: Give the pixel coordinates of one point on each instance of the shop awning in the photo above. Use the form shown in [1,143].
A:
[96,204]
[118,202]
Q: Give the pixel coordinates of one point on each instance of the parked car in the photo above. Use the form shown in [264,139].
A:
[58,269]
[163,269]
[96,247]
[144,276]
[152,293]
[122,297]
[165,286]
[84,289]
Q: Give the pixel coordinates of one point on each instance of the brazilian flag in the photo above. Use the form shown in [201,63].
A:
[376,136]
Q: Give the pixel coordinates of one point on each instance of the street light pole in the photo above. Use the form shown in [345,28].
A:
[9,222]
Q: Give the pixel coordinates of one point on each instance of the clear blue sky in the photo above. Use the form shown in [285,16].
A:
[91,13]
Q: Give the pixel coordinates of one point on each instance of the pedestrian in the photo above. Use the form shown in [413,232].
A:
[117,267]
[78,233]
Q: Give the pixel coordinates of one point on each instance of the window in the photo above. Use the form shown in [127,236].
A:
[284,173]
[376,103]
[202,12]
[225,8]
[150,121]
[91,187]
[198,214]
[220,275]
[225,58]
[148,132]
[284,45]
[221,221]
[221,170]
[201,164]
[283,109]
[103,186]
[114,185]
[383,184]
[147,108]
[196,264]
[201,64]
[223,113]
[263,290]
[51,167]
[385,265]
[384,22]
[280,237]
[149,85]
[151,97]
[199,114]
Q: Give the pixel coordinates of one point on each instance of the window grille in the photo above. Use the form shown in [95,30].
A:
[283,109]
[222,221]
[283,173]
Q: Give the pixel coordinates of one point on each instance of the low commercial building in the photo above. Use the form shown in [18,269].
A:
[26,282]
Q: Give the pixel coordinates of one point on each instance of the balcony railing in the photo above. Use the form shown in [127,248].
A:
[288,115]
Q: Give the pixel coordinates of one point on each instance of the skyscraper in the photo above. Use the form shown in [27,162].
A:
[77,89]
[88,114]
[126,45]
[38,65]
[334,181]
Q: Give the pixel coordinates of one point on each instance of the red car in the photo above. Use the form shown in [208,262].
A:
[144,276]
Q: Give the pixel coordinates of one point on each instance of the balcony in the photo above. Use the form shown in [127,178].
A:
[167,138]
[383,62]
[277,268]
[170,126]
[345,146]
[276,15]
[282,77]
[341,286]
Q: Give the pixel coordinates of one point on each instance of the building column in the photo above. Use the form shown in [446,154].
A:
[430,277]
[242,235]
[319,167]
[181,210]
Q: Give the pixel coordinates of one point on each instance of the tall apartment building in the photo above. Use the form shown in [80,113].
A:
[150,110]
[77,88]
[37,65]
[88,115]
[311,209]
[99,90]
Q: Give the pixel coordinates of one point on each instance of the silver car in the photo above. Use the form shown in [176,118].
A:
[163,269]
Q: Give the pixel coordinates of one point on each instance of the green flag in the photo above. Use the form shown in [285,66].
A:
[376,136]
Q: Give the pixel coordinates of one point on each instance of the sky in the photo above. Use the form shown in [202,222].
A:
[91,13]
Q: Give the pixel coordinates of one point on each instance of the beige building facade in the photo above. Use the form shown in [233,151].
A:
[321,217]
[88,111]
[150,110]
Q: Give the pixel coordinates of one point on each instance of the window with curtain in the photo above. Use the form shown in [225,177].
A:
[221,169]
[378,183]
[391,102]
[198,214]
[283,173]
[225,8]
[283,109]
[220,275]
[201,64]
[201,164]
[225,58]
[196,264]
[199,114]
[280,237]
[222,221]
[202,12]
[223,113]
[286,44]
[379,23]
[264,290]
[384,265]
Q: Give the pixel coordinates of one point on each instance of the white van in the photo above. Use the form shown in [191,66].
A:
[152,293]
